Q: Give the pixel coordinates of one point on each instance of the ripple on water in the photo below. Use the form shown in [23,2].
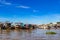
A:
[37,34]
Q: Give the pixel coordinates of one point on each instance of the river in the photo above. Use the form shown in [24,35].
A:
[36,34]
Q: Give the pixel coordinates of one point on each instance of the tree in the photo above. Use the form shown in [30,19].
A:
[58,22]
[7,24]
[1,25]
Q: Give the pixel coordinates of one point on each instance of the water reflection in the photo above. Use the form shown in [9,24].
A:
[36,34]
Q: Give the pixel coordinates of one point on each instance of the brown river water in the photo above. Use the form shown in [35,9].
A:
[36,34]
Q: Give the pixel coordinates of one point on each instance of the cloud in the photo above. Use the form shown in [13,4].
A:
[26,7]
[5,2]
[35,11]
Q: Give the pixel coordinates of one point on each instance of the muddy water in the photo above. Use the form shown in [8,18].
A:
[36,34]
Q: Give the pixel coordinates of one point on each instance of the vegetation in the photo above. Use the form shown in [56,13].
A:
[50,32]
[58,22]
[8,25]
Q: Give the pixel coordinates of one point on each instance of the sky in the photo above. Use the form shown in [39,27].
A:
[30,11]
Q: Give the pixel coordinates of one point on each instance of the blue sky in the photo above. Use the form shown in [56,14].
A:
[30,11]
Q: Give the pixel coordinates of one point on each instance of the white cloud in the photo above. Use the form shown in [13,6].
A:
[35,11]
[5,2]
[26,7]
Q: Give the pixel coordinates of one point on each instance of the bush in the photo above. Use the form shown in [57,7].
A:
[51,32]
